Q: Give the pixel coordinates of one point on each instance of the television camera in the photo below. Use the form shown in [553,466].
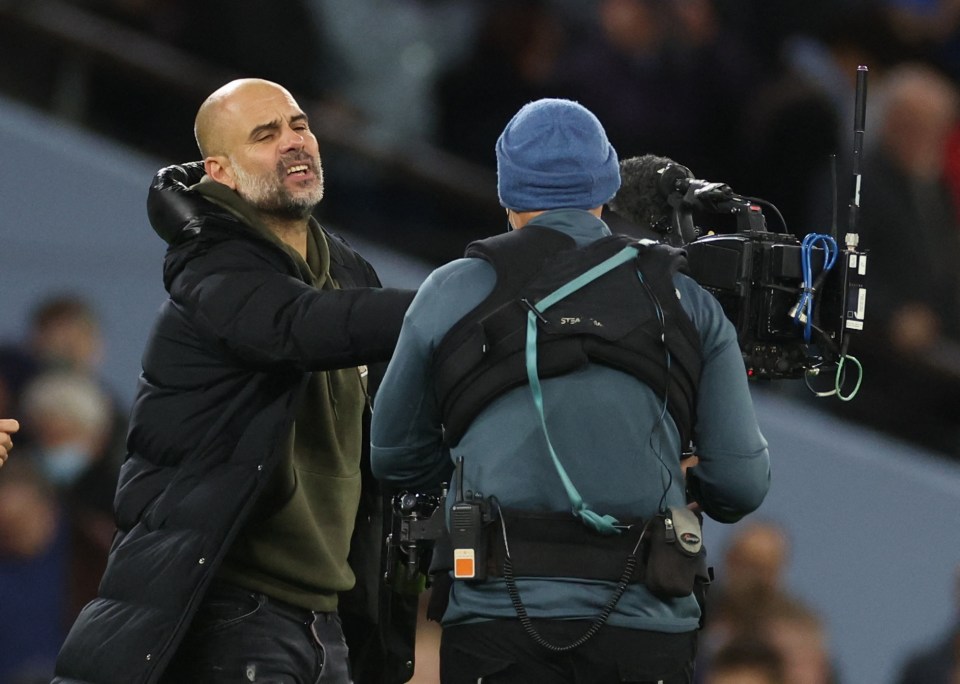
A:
[795,303]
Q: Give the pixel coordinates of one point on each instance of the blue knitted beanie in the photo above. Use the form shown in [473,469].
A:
[554,154]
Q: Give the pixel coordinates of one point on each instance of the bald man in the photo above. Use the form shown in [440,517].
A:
[256,140]
[247,520]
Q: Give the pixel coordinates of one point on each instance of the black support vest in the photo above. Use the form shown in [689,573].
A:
[615,320]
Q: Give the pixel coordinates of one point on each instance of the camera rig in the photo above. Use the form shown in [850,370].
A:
[795,303]
[417,521]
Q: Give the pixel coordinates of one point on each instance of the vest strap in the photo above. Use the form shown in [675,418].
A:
[605,524]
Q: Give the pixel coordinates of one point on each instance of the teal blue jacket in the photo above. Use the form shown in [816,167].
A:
[619,447]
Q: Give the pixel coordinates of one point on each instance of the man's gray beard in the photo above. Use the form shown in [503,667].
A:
[268,194]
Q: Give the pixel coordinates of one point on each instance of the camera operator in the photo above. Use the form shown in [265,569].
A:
[636,364]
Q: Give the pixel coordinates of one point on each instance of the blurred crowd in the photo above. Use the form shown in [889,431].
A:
[756,94]
[56,492]
[56,526]
[757,630]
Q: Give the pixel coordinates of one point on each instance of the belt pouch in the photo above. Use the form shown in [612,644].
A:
[675,553]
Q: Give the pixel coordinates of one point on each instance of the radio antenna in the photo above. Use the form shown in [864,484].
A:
[834,203]
[852,237]
[854,286]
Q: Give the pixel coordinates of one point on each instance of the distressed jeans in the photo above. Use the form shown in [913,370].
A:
[240,636]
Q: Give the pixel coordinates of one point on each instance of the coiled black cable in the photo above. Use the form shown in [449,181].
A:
[597,623]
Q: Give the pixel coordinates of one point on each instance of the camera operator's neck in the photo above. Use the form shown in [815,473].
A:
[518,219]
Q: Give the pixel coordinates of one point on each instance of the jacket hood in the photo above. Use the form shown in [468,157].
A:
[176,212]
[190,211]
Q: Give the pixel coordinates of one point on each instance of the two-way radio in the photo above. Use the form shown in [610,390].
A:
[466,531]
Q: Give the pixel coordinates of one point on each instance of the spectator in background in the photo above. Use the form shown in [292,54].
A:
[513,62]
[750,579]
[908,213]
[909,223]
[664,78]
[391,54]
[720,70]
[33,575]
[69,416]
[636,97]
[63,333]
[274,40]
[254,31]
[797,632]
[756,560]
[765,25]
[938,663]
[932,27]
[746,661]
[8,427]
[750,601]
[803,116]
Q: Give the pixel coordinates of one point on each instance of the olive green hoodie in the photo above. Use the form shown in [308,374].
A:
[294,547]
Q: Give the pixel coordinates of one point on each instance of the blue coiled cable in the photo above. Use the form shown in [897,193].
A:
[804,310]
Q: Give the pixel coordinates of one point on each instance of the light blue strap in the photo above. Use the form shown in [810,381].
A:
[604,524]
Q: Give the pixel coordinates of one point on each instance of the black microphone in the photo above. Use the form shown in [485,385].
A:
[659,194]
[650,197]
[641,199]
[673,177]
[693,192]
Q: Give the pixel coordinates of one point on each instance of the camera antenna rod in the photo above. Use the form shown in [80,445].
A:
[852,238]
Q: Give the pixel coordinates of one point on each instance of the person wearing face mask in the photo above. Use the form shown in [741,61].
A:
[249,529]
[69,416]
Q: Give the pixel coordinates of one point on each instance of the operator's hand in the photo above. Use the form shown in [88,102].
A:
[8,426]
[685,465]
[689,462]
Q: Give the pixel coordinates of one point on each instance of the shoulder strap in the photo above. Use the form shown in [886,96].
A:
[604,524]
[517,257]
[483,354]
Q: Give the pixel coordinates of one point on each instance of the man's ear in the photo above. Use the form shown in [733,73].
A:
[220,170]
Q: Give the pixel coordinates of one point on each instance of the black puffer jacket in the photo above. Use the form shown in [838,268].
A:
[226,362]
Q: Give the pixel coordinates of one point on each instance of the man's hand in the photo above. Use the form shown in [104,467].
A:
[8,426]
[689,462]
[685,465]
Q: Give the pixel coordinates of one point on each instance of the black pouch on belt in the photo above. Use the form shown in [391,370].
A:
[675,555]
